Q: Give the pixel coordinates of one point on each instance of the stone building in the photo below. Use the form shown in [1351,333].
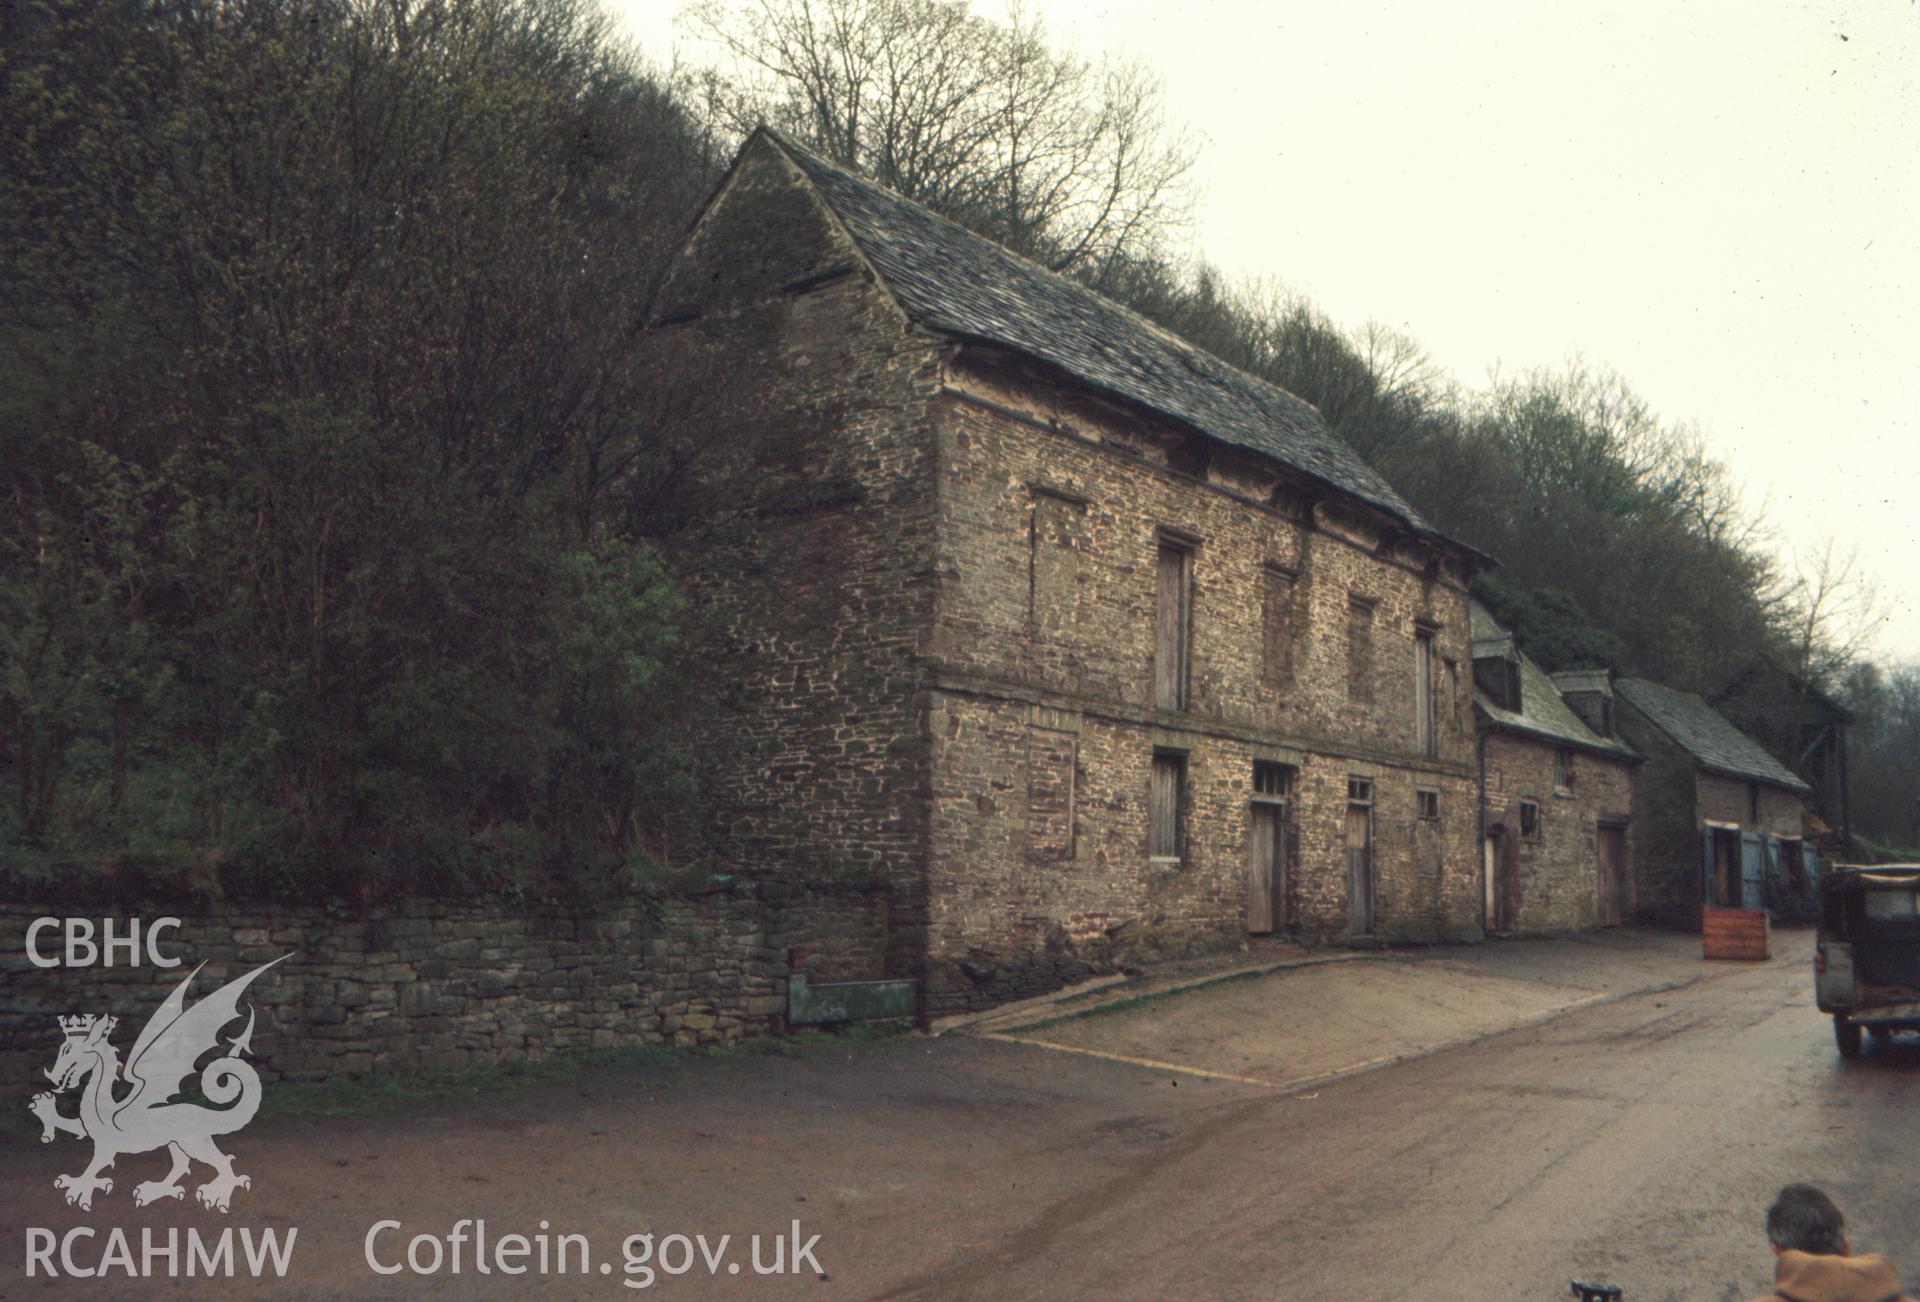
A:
[1556,790]
[1717,820]
[1048,638]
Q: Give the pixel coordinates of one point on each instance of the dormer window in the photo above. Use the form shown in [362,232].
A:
[1496,672]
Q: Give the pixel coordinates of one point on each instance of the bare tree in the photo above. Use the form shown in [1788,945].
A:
[1833,608]
[1067,160]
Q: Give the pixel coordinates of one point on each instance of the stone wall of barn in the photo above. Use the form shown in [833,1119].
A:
[1665,837]
[924,623]
[1553,876]
[1731,800]
[1044,721]
[806,557]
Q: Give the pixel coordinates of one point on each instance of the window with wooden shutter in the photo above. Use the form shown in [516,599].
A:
[1359,650]
[1170,652]
[1276,628]
[1166,811]
[1425,721]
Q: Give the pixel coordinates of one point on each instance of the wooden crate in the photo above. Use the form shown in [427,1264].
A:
[1734,933]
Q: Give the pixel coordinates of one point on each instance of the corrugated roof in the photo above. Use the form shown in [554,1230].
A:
[1543,712]
[1704,733]
[954,281]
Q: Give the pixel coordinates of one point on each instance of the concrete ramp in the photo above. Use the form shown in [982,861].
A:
[1293,1027]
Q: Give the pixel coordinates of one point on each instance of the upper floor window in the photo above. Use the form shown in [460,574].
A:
[1276,628]
[1359,649]
[1425,720]
[1529,820]
[1427,804]
[1174,620]
[1563,770]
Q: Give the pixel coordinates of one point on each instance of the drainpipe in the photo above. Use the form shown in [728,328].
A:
[1480,818]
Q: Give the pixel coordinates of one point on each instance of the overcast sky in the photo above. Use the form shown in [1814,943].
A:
[1720,200]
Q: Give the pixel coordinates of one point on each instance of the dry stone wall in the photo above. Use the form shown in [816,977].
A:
[435,985]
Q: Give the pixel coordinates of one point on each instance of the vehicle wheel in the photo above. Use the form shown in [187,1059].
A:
[1846,1035]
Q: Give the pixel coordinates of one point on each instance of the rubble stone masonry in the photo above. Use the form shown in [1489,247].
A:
[1675,798]
[1052,517]
[437,985]
[1554,873]
[924,606]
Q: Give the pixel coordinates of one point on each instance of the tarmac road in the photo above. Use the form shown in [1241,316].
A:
[1635,1140]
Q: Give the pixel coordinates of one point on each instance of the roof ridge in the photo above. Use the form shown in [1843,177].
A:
[1079,286]
[1685,733]
[1171,336]
[1017,303]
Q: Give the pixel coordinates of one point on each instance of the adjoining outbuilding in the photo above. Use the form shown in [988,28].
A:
[1556,792]
[1719,822]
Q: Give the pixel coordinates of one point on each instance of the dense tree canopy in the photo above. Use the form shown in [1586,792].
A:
[317,565]
[328,462]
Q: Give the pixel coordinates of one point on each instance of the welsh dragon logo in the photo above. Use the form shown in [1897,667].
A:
[147,1116]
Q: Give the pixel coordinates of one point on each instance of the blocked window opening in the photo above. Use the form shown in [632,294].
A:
[1167,808]
[1051,757]
[1170,651]
[1054,546]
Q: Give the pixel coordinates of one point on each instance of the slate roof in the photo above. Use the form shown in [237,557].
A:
[1543,712]
[1702,732]
[947,278]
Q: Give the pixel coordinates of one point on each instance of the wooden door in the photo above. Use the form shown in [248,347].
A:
[1613,875]
[1753,869]
[1490,880]
[1726,874]
[1360,869]
[1266,870]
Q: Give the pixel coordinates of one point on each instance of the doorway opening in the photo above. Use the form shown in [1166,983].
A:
[1360,883]
[1269,875]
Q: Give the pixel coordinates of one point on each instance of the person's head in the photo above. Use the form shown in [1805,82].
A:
[1804,1219]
